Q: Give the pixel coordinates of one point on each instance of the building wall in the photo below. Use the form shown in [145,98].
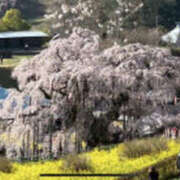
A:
[21,43]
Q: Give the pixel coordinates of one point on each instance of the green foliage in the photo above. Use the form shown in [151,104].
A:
[175,51]
[138,148]
[3,28]
[13,21]
[76,163]
[5,165]
[161,12]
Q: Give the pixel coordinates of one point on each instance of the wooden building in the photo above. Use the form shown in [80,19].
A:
[21,41]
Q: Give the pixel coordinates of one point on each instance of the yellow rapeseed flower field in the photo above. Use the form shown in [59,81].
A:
[102,161]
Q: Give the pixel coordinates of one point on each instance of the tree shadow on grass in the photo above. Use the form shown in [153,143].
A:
[6,80]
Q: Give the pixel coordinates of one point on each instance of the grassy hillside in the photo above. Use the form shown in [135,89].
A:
[104,160]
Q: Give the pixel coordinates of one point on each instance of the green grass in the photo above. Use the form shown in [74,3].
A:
[37,21]
[14,61]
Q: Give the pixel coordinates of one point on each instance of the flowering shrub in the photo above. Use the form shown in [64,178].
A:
[77,163]
[5,165]
[138,148]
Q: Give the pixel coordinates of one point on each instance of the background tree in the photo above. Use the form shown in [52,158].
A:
[160,12]
[13,21]
[102,16]
[3,28]
[29,8]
